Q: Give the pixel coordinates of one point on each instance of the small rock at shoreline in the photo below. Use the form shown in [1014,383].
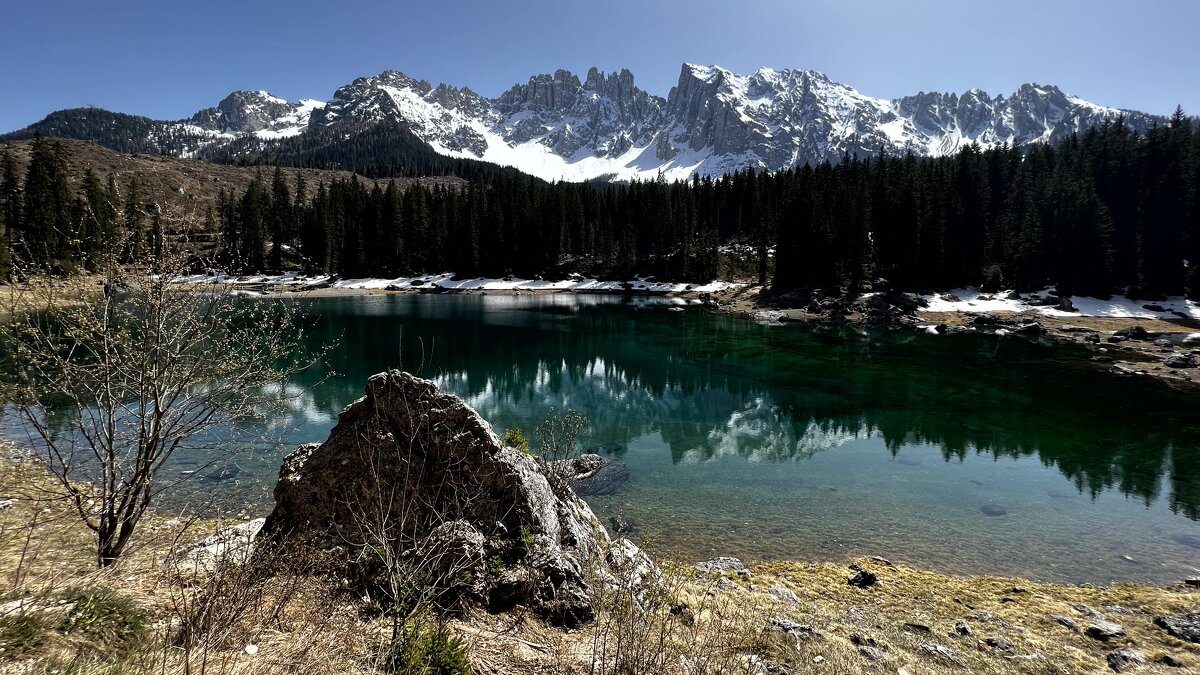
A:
[940,652]
[1125,657]
[1184,626]
[1065,621]
[720,564]
[1102,630]
[863,579]
[784,594]
[999,643]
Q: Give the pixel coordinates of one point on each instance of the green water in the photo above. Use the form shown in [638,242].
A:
[801,441]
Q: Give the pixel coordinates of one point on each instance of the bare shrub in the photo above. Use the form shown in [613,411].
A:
[558,443]
[673,624]
[110,388]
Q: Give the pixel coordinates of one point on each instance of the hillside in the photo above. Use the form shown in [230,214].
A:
[184,189]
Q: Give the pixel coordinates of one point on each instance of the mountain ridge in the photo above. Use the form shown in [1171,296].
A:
[557,126]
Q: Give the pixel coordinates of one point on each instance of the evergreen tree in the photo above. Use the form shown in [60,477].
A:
[133,223]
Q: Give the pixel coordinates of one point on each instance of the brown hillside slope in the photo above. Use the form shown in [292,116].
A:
[183,188]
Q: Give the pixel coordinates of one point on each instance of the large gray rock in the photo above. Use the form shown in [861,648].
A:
[418,468]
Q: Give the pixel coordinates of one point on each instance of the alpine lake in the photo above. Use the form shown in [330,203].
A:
[965,453]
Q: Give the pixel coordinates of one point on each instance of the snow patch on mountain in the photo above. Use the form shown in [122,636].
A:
[714,121]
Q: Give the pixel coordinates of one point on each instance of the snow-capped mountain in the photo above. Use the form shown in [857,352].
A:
[559,127]
[712,122]
[258,113]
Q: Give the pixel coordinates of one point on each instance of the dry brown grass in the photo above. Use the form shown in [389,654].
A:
[732,618]
[301,622]
[184,188]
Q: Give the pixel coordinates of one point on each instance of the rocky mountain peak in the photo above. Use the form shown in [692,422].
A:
[546,91]
[255,112]
[713,121]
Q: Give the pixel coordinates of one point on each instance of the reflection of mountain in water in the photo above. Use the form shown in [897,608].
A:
[716,385]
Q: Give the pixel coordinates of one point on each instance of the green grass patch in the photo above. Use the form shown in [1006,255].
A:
[21,633]
[103,616]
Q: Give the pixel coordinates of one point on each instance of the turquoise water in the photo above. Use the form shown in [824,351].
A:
[966,453]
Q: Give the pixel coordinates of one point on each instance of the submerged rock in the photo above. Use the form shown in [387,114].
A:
[1189,540]
[224,473]
[993,510]
[419,470]
[591,474]
[622,525]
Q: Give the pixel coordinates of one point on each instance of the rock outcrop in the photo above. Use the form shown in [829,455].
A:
[410,465]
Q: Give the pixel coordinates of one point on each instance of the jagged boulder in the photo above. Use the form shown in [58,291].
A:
[474,515]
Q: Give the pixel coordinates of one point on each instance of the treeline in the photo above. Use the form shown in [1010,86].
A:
[1103,210]
[47,225]
[115,131]
[496,226]
[379,150]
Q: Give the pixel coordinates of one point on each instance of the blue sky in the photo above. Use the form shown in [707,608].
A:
[166,59]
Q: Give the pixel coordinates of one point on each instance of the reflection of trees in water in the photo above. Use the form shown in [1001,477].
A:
[715,385]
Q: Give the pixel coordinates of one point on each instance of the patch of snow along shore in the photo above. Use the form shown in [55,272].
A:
[448,282]
[973,301]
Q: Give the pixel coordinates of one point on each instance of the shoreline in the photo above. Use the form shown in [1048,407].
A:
[863,614]
[1123,346]
[1136,350]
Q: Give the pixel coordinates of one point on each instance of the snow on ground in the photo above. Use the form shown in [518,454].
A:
[447,281]
[972,300]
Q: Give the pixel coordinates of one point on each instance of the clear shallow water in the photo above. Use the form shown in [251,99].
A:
[798,441]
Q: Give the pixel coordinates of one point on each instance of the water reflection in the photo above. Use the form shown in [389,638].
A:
[799,441]
[713,386]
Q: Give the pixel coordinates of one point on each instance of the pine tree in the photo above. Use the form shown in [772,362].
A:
[10,209]
[251,221]
[41,213]
[133,224]
[280,218]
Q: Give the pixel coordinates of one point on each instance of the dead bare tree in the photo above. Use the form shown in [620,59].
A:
[110,386]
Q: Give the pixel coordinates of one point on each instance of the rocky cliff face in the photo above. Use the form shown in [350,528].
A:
[714,121]
[421,471]
[560,127]
[256,113]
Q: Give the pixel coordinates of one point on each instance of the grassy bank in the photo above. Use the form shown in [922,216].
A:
[58,614]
